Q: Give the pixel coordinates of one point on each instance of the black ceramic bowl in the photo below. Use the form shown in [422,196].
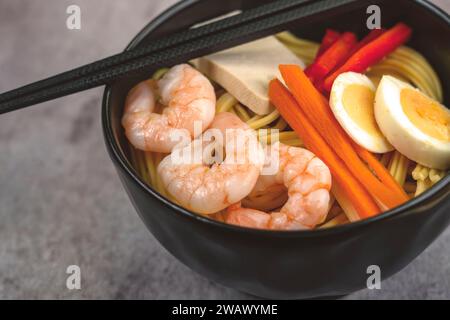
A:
[298,264]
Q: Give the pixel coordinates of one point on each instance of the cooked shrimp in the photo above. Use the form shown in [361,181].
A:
[308,183]
[252,218]
[189,98]
[205,188]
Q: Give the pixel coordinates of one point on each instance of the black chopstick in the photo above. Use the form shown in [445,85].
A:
[257,28]
[154,46]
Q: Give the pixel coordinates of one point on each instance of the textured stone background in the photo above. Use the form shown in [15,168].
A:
[60,200]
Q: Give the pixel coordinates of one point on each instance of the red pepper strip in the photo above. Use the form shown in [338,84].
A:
[330,37]
[372,53]
[375,33]
[333,56]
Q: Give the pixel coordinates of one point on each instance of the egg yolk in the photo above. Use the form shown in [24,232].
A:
[358,101]
[426,114]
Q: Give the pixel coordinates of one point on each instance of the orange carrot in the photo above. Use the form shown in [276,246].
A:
[319,113]
[350,186]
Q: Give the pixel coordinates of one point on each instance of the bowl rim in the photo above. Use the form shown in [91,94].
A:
[124,164]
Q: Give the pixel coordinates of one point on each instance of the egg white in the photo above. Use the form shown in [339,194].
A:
[376,144]
[402,133]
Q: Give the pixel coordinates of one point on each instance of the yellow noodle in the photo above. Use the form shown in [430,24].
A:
[402,170]
[398,167]
[241,112]
[414,57]
[336,221]
[436,175]
[287,37]
[305,56]
[422,186]
[302,51]
[133,161]
[158,183]
[420,172]
[233,111]
[418,73]
[426,178]
[375,74]
[254,118]
[294,143]
[259,123]
[394,163]
[151,168]
[160,73]
[346,206]
[408,72]
[142,165]
[419,70]
[225,103]
[425,172]
[285,135]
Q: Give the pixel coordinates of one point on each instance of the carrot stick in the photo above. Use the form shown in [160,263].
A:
[348,184]
[319,113]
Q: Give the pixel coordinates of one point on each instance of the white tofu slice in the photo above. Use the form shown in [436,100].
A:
[245,70]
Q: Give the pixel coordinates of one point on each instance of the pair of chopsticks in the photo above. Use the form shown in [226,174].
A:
[249,25]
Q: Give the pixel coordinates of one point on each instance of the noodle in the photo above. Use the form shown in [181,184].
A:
[404,63]
[160,73]
[336,221]
[225,103]
[150,167]
[263,121]
[398,167]
[426,178]
[294,143]
[241,112]
[304,49]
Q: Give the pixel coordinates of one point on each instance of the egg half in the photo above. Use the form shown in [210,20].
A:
[352,100]
[416,125]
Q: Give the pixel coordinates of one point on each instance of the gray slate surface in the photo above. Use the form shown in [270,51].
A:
[60,200]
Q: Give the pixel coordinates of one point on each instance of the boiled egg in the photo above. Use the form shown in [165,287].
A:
[352,101]
[416,125]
